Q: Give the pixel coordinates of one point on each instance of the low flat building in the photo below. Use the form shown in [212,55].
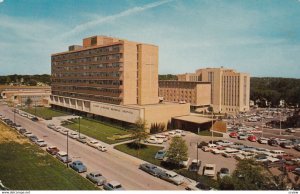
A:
[18,95]
[198,94]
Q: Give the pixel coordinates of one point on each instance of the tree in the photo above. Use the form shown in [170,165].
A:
[28,102]
[139,133]
[178,151]
[251,176]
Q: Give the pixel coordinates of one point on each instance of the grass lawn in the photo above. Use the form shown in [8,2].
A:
[97,130]
[23,166]
[208,133]
[147,152]
[43,112]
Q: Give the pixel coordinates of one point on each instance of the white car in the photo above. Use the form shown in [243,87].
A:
[180,132]
[225,143]
[209,170]
[291,130]
[217,151]
[28,134]
[102,148]
[154,140]
[64,131]
[41,143]
[164,138]
[93,143]
[185,163]
[263,140]
[172,133]
[51,126]
[73,135]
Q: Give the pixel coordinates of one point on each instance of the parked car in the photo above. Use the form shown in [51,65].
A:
[163,137]
[233,134]
[297,147]
[194,166]
[290,130]
[209,170]
[289,166]
[51,126]
[96,177]
[22,131]
[261,158]
[33,138]
[160,154]
[82,139]
[93,143]
[184,163]
[78,166]
[272,142]
[181,132]
[242,137]
[57,129]
[263,140]
[224,172]
[35,119]
[28,134]
[112,185]
[41,143]
[297,171]
[73,135]
[102,148]
[227,155]
[153,140]
[53,150]
[172,177]
[151,169]
[63,156]
[287,145]
[64,131]
[199,186]
[252,138]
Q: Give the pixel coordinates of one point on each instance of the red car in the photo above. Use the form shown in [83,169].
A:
[233,134]
[252,138]
[52,150]
[289,166]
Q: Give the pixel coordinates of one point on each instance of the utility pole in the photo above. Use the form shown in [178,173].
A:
[197,144]
[67,148]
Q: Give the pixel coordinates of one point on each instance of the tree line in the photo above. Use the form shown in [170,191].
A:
[30,80]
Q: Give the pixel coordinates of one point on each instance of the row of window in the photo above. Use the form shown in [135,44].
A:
[88,59]
[94,51]
[87,74]
[82,81]
[105,99]
[88,67]
[80,88]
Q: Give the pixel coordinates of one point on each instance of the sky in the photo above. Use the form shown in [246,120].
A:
[260,37]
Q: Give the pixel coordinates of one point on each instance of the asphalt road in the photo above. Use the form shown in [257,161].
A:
[114,165]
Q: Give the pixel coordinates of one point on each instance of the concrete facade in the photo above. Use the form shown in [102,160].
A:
[113,78]
[18,95]
[198,94]
[230,90]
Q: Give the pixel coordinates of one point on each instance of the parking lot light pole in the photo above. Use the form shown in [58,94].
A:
[79,126]
[197,144]
[67,148]
[280,123]
[262,128]
[212,127]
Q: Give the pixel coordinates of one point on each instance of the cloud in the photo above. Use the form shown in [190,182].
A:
[1,1]
[100,20]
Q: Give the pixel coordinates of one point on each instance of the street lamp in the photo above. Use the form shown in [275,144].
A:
[197,157]
[67,148]
[79,125]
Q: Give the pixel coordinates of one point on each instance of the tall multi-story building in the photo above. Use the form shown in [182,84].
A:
[198,94]
[230,90]
[112,78]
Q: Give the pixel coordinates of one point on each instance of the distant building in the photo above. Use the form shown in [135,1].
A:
[113,79]
[230,90]
[18,95]
[198,94]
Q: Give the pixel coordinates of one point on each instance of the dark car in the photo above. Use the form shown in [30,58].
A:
[22,131]
[272,142]
[35,119]
[151,169]
[194,166]
[33,138]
